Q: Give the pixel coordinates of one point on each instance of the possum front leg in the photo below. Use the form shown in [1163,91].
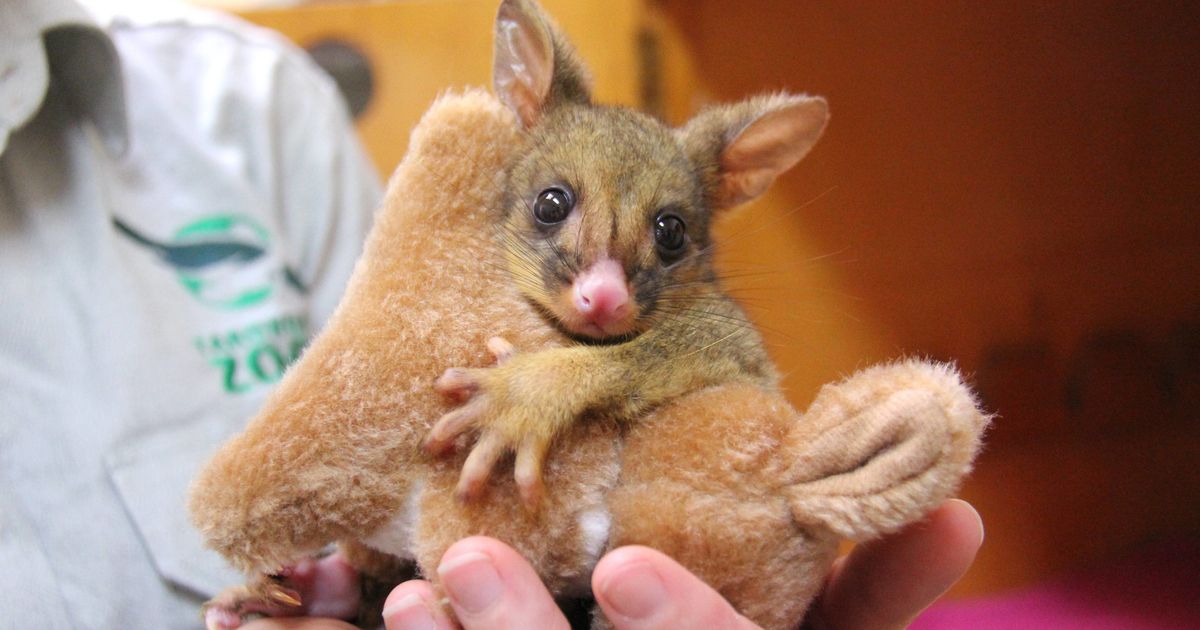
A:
[518,406]
[522,403]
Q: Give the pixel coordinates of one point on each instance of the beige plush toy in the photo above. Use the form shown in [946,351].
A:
[715,469]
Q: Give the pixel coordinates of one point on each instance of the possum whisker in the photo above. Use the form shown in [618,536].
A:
[770,222]
[718,341]
[805,261]
[690,315]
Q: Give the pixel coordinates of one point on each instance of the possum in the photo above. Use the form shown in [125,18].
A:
[605,227]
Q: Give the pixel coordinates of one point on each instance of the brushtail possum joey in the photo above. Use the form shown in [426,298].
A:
[605,227]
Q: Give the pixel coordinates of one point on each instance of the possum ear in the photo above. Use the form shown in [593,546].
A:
[534,68]
[740,149]
[882,448]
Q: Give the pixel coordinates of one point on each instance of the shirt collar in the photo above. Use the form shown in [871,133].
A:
[57,41]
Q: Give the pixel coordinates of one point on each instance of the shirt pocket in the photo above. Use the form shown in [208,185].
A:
[152,474]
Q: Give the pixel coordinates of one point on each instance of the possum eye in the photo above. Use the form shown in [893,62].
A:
[669,233]
[552,205]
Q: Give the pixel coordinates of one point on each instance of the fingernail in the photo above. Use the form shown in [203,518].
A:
[472,581]
[978,519]
[635,591]
[410,613]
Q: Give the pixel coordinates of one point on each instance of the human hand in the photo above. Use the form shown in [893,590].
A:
[883,585]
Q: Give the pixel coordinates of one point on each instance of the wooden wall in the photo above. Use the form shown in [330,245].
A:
[1014,186]
[421,48]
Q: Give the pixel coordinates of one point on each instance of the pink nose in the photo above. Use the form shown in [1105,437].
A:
[602,293]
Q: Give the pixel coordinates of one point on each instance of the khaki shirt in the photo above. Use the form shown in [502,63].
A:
[181,202]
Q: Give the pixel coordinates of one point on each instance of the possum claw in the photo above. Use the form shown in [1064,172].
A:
[328,586]
[284,596]
[264,596]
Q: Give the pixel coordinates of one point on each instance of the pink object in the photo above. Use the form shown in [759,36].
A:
[1156,588]
[602,293]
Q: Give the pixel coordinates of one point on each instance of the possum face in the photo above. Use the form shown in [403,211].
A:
[605,225]
[606,220]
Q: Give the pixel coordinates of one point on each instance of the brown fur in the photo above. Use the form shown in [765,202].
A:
[732,481]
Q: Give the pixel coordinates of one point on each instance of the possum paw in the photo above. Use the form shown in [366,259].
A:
[327,587]
[515,408]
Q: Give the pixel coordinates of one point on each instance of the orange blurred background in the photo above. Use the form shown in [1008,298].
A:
[1013,188]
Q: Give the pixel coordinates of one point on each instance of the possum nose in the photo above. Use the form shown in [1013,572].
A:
[602,293]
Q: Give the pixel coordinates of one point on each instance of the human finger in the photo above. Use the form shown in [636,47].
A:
[413,605]
[491,586]
[887,583]
[642,589]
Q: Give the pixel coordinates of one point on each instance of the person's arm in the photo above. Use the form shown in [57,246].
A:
[882,585]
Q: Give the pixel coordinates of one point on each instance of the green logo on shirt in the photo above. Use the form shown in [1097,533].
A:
[255,355]
[221,260]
